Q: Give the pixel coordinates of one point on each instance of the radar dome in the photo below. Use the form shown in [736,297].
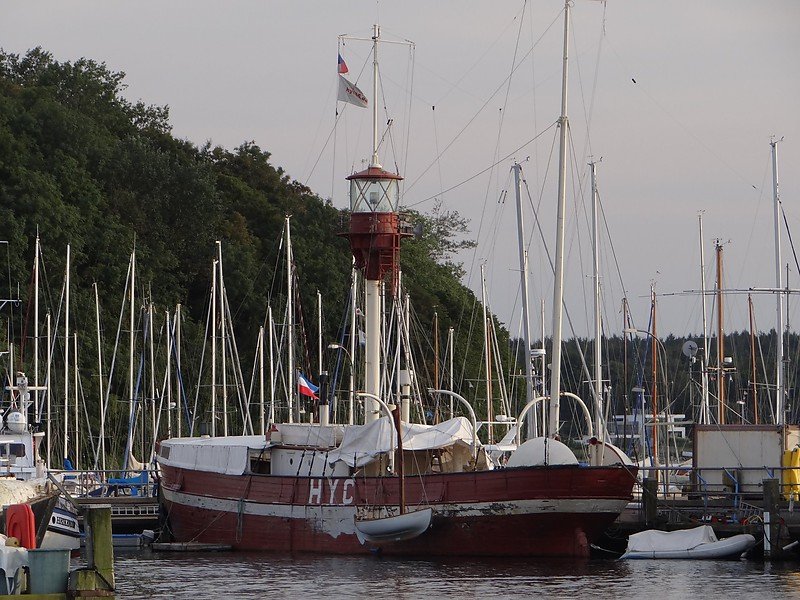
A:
[541,451]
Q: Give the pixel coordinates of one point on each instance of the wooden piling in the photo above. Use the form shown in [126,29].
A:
[97,579]
[650,500]
[772,519]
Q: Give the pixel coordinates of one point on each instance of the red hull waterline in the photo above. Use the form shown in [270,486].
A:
[527,511]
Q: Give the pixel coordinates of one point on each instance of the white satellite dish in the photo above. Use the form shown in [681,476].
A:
[689,348]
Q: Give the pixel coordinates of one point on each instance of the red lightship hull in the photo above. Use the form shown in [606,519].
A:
[529,511]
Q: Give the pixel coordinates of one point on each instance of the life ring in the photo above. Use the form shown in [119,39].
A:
[20,524]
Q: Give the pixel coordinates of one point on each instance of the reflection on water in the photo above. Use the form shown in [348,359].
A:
[251,575]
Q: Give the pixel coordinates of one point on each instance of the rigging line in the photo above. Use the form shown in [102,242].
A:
[686,129]
[505,99]
[471,68]
[409,111]
[479,173]
[588,113]
[483,106]
[789,234]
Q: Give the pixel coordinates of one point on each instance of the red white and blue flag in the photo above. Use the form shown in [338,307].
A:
[342,66]
[305,387]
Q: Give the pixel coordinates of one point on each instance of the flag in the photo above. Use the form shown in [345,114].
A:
[348,92]
[342,66]
[305,387]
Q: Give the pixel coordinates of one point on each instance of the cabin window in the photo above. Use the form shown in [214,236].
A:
[14,450]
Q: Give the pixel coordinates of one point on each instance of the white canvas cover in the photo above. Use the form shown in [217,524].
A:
[310,434]
[363,443]
[671,541]
[227,455]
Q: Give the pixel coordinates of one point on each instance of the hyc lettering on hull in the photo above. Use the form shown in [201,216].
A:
[331,491]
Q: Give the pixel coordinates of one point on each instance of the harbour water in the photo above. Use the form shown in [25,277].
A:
[143,574]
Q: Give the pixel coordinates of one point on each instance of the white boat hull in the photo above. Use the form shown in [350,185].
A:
[394,529]
[726,548]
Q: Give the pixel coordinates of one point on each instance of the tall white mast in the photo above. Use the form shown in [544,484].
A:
[376,34]
[599,428]
[290,320]
[151,349]
[353,334]
[168,377]
[179,382]
[66,360]
[132,324]
[222,297]
[261,379]
[319,330]
[49,395]
[100,380]
[36,330]
[271,333]
[214,348]
[533,424]
[487,361]
[779,377]
[558,284]
[705,410]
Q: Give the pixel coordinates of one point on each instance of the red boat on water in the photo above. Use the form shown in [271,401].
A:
[408,489]
[255,494]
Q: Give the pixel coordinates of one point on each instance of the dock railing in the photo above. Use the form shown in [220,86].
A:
[109,482]
[719,495]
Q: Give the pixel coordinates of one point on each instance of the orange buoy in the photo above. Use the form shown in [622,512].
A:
[20,524]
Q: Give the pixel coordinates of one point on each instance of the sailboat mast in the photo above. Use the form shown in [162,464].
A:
[213,313]
[720,340]
[102,444]
[487,356]
[779,374]
[290,321]
[533,424]
[654,394]
[66,360]
[598,372]
[753,386]
[705,416]
[36,330]
[558,284]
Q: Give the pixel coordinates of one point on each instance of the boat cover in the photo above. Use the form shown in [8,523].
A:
[228,454]
[671,541]
[362,443]
[311,434]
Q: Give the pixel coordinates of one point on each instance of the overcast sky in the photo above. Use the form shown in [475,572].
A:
[678,98]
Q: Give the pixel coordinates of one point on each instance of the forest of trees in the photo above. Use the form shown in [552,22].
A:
[82,165]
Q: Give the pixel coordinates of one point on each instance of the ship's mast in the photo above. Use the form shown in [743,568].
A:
[375,242]
[779,375]
[533,424]
[705,416]
[558,284]
[598,372]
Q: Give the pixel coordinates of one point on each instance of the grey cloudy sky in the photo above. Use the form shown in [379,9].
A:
[713,81]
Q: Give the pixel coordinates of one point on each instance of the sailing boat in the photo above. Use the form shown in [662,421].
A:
[407,488]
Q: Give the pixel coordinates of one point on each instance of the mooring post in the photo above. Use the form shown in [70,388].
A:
[97,579]
[772,520]
[650,500]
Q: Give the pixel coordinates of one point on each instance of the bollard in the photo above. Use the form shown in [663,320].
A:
[772,520]
[97,579]
[650,500]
